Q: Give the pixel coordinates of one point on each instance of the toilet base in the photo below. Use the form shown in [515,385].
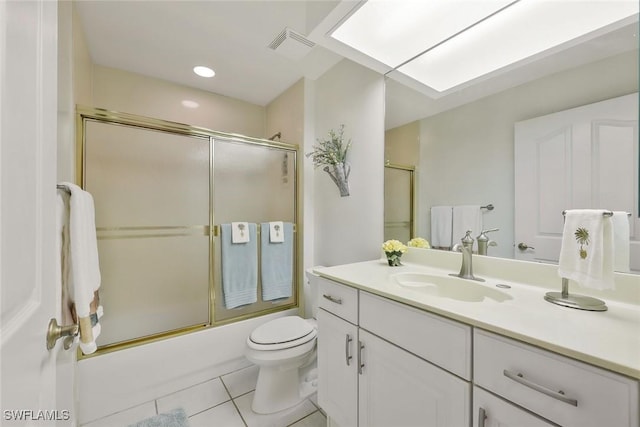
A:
[277,390]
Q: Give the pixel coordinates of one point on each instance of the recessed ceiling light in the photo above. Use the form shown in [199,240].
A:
[204,71]
[190,104]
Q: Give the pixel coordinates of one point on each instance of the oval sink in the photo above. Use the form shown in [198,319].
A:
[449,287]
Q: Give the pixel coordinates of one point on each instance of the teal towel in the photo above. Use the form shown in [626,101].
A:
[239,268]
[175,418]
[277,264]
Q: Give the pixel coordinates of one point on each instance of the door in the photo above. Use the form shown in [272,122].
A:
[399,389]
[28,294]
[338,369]
[583,158]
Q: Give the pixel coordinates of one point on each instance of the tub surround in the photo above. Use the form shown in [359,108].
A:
[607,339]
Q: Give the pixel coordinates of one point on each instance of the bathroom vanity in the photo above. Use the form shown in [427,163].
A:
[411,345]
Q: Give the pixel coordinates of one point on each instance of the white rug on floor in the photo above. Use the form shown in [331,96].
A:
[174,418]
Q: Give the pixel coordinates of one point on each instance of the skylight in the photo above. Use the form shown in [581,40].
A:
[446,43]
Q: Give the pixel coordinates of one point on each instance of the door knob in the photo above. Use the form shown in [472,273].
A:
[55,332]
[523,246]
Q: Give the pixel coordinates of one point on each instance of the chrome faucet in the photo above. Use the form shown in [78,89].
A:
[484,242]
[466,270]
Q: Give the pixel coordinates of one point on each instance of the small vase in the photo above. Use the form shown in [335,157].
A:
[393,258]
[339,173]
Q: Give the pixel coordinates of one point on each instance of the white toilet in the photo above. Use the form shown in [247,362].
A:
[285,351]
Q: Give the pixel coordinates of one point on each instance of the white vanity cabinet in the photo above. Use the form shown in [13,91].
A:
[375,372]
[557,388]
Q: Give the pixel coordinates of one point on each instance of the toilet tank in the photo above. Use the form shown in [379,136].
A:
[311,293]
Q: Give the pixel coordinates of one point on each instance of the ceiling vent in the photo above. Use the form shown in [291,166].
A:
[291,44]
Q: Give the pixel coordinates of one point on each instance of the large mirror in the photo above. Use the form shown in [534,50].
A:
[466,139]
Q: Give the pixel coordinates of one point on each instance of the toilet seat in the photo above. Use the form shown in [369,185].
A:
[281,333]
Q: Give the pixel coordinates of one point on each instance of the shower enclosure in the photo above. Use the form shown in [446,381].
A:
[162,190]
[399,202]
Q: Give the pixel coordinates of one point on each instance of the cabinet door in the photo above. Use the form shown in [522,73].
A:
[338,369]
[491,411]
[401,390]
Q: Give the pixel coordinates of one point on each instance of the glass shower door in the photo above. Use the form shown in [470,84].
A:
[253,183]
[152,200]
[398,203]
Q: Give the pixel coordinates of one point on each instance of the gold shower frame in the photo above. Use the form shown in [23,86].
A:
[84,114]
[412,190]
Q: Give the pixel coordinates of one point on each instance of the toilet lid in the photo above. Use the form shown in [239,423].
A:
[282,330]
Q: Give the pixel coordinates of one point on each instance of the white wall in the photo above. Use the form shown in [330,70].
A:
[466,154]
[126,92]
[350,229]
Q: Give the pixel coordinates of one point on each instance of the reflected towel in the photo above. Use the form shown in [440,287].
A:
[82,264]
[586,256]
[239,268]
[621,232]
[441,222]
[466,217]
[277,264]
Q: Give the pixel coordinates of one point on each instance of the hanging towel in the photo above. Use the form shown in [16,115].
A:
[240,232]
[277,264]
[239,267]
[621,231]
[586,255]
[82,265]
[466,217]
[441,222]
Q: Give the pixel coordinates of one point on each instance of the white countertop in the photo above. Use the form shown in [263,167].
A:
[609,339]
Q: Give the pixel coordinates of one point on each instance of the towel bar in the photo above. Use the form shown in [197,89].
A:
[605,213]
[580,302]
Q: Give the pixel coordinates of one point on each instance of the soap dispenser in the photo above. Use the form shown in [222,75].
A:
[484,242]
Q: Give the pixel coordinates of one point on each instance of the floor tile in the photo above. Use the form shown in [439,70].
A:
[126,417]
[279,419]
[242,381]
[316,419]
[225,415]
[195,399]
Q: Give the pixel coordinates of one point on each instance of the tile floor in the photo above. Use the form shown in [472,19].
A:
[221,402]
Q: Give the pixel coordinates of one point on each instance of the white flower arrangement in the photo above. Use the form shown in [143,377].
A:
[394,250]
[419,242]
[393,246]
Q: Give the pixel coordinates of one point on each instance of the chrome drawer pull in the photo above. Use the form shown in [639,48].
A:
[559,395]
[346,349]
[333,299]
[361,363]
[482,416]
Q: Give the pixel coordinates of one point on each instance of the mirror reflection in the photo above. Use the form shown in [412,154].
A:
[465,144]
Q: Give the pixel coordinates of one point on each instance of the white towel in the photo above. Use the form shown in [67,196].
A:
[466,217]
[276,232]
[83,279]
[621,232]
[240,232]
[441,221]
[586,256]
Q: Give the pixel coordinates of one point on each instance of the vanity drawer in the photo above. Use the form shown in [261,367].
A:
[560,389]
[338,299]
[441,341]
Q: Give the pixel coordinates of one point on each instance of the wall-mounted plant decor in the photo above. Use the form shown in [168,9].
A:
[332,154]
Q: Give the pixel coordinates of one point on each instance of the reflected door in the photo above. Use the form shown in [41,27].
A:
[583,158]
[398,202]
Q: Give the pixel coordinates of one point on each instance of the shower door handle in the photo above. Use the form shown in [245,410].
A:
[347,356]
